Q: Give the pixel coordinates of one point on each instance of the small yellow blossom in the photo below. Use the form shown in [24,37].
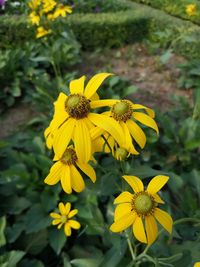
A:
[191,9]
[141,206]
[41,31]
[64,218]
[48,5]
[61,11]
[34,4]
[34,18]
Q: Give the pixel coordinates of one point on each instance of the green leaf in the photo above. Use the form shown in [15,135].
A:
[166,57]
[15,205]
[31,263]
[85,262]
[57,239]
[2,228]
[11,258]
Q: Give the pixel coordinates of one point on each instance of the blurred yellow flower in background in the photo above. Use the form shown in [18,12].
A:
[64,218]
[34,4]
[61,11]
[48,5]
[197,264]
[41,31]
[191,9]
[141,206]
[34,18]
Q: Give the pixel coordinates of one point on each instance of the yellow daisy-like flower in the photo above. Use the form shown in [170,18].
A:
[126,115]
[34,18]
[73,119]
[197,264]
[41,31]
[191,9]
[48,5]
[61,11]
[34,4]
[141,206]
[65,171]
[64,218]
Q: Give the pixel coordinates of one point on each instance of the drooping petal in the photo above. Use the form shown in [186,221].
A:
[124,197]
[164,219]
[88,170]
[123,223]
[150,111]
[151,229]
[94,97]
[96,132]
[66,180]
[158,199]
[77,181]
[77,86]
[67,207]
[121,210]
[63,137]
[157,183]
[62,209]
[82,141]
[146,120]
[67,229]
[74,224]
[103,103]
[56,221]
[94,84]
[135,183]
[55,215]
[55,174]
[137,133]
[72,213]
[127,140]
[138,230]
[109,125]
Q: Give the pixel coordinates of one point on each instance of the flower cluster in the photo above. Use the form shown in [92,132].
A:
[43,12]
[78,129]
[191,9]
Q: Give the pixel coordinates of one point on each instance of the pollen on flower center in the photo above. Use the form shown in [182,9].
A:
[77,106]
[122,111]
[63,219]
[69,157]
[143,204]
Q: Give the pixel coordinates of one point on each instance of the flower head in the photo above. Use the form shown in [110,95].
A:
[65,170]
[64,218]
[73,119]
[34,18]
[197,264]
[141,206]
[61,11]
[41,31]
[48,5]
[191,9]
[34,4]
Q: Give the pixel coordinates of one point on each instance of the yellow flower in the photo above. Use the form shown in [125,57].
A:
[34,4]
[50,16]
[126,115]
[64,218]
[41,31]
[132,209]
[73,119]
[191,9]
[65,171]
[62,11]
[48,5]
[197,264]
[34,18]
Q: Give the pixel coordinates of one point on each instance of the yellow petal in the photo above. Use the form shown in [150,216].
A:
[55,173]
[158,199]
[76,179]
[77,86]
[151,229]
[96,132]
[127,140]
[88,170]
[56,221]
[94,97]
[72,213]
[109,125]
[60,225]
[124,197]
[67,207]
[103,103]
[63,137]
[55,215]
[123,223]
[164,219]
[67,229]
[197,264]
[94,84]
[157,183]
[137,133]
[138,230]
[74,224]
[122,210]
[82,141]
[135,183]
[66,180]
[146,120]
[61,207]
[150,111]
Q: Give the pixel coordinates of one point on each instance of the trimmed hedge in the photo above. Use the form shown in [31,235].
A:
[175,7]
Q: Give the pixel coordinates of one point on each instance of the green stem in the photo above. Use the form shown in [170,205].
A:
[130,247]
[106,141]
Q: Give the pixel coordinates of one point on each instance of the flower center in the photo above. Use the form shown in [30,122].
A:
[69,157]
[143,204]
[77,106]
[121,153]
[122,111]
[63,219]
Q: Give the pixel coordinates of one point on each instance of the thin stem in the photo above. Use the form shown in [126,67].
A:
[106,141]
[130,247]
